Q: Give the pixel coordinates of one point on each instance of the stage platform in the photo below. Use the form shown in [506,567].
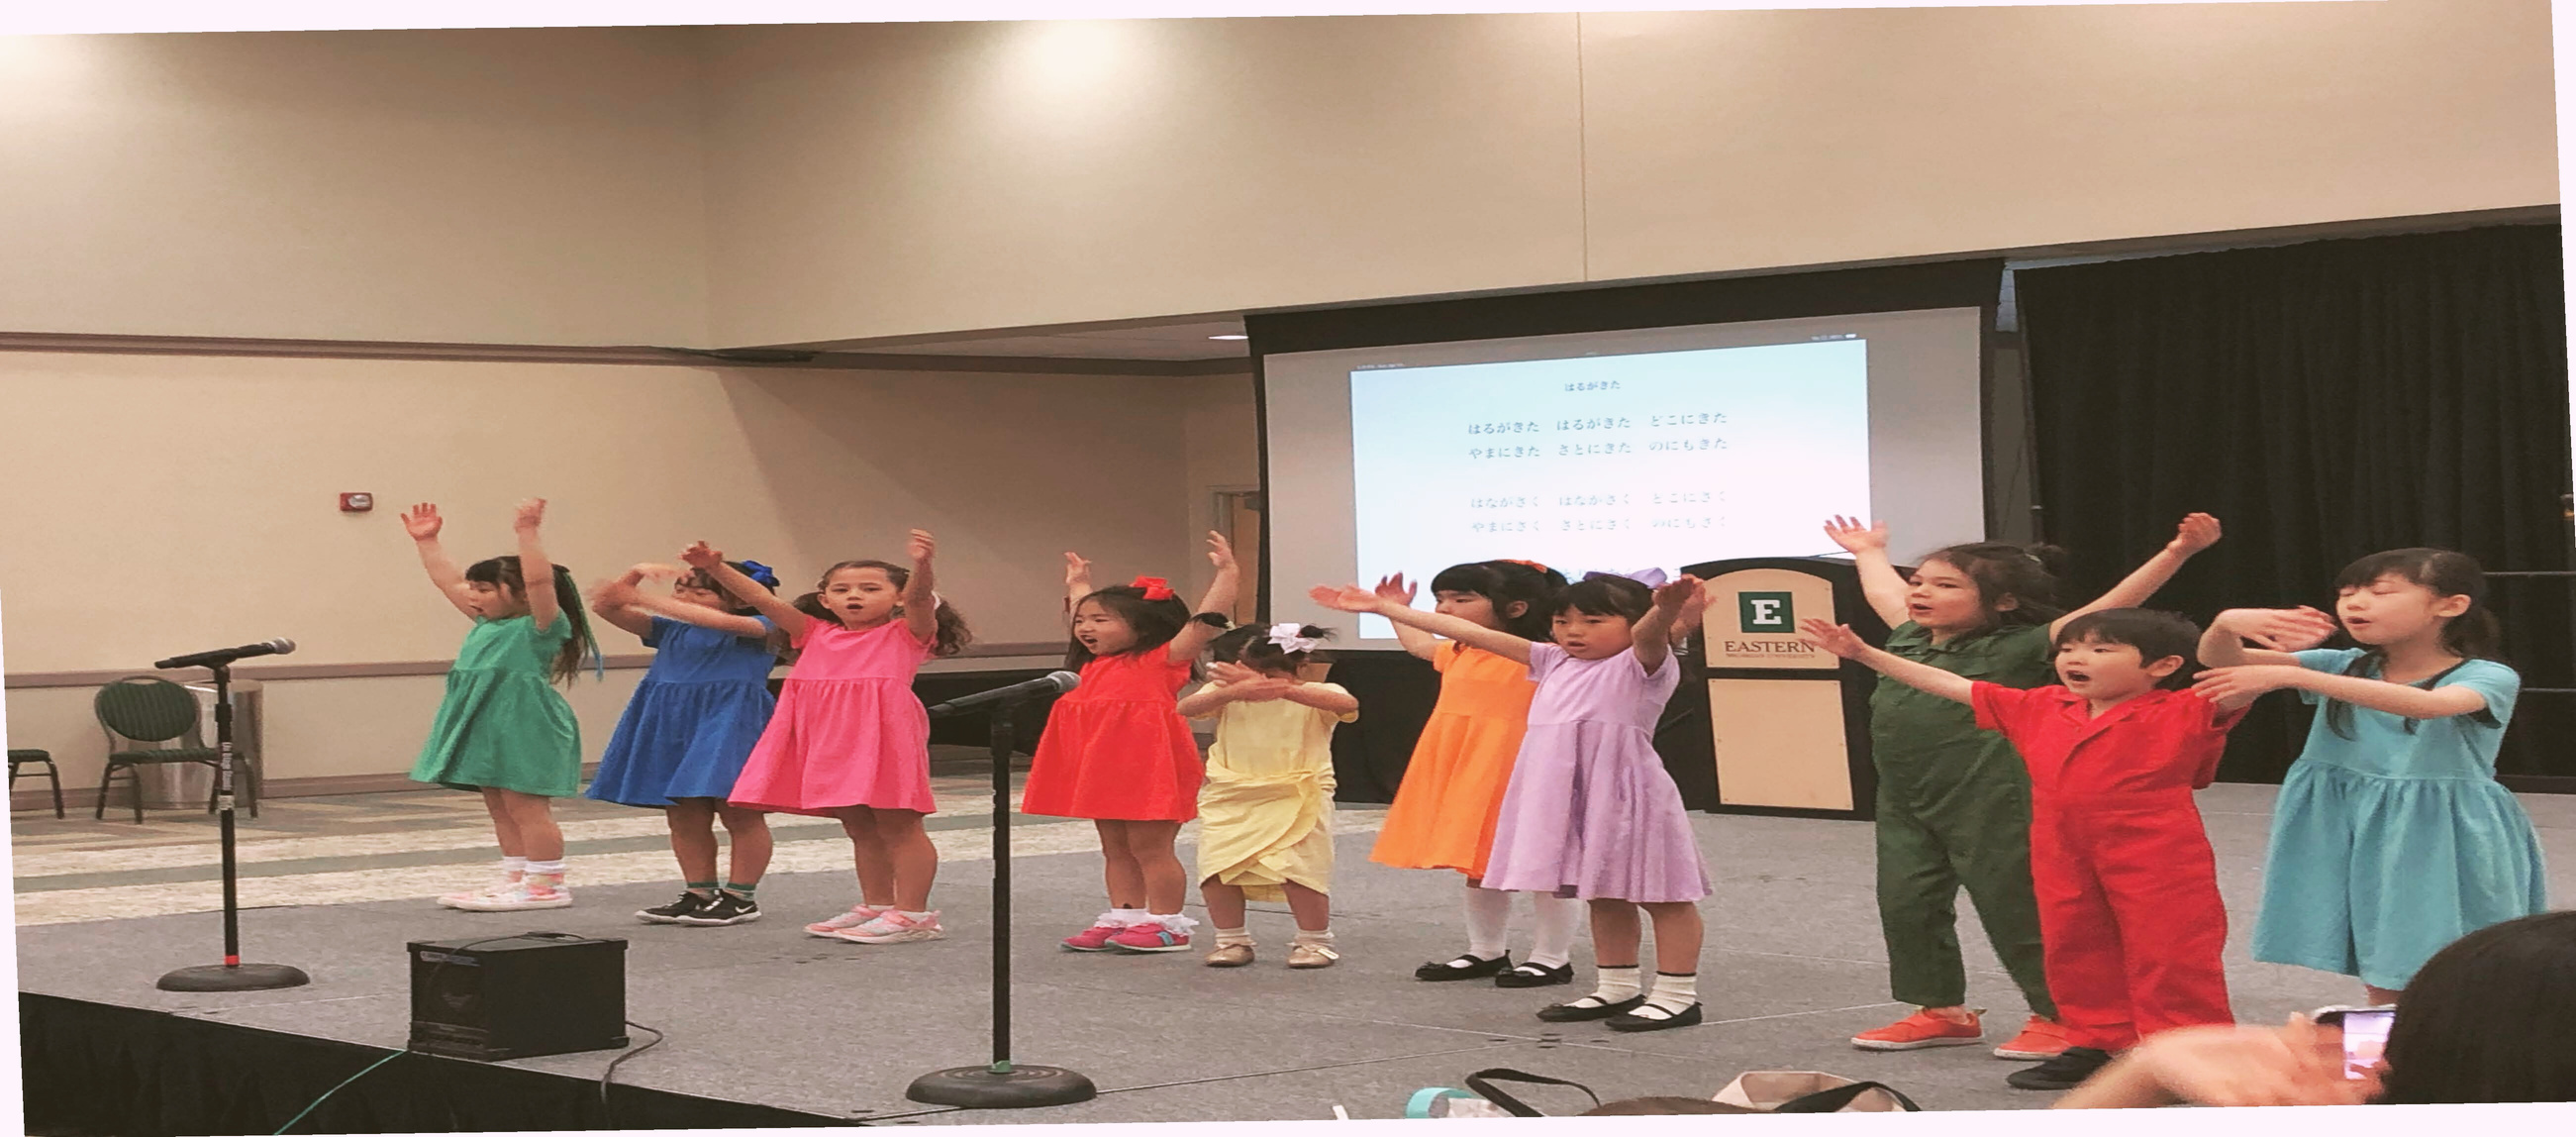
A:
[819,1032]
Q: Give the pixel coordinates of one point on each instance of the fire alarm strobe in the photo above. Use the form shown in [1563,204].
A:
[357,502]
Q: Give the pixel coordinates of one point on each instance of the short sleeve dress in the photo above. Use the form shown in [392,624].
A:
[693,719]
[1266,813]
[2388,845]
[1451,797]
[1591,812]
[1116,747]
[502,725]
[848,730]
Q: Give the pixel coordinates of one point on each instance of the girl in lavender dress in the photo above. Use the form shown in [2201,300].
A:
[1590,812]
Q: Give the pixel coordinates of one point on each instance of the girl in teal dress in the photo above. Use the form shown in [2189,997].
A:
[2391,837]
[504,730]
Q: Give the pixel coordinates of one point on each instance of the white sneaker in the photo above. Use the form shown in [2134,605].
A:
[504,884]
[526,897]
[896,928]
[831,929]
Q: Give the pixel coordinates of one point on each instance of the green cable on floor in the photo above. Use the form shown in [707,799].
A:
[344,1084]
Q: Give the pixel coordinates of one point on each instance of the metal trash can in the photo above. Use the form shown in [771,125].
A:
[187,785]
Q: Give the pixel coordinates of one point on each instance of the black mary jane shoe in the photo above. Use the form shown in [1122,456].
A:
[1536,975]
[1570,1013]
[1463,967]
[1633,1022]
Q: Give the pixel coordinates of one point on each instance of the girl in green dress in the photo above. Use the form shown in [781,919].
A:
[503,730]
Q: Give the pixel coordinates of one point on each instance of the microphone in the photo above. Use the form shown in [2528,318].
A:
[228,654]
[1054,683]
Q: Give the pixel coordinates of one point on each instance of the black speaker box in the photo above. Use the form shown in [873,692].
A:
[518,996]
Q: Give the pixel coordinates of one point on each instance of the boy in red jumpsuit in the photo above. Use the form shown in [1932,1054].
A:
[2131,924]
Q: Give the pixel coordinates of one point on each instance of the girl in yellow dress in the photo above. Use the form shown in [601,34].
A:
[1266,812]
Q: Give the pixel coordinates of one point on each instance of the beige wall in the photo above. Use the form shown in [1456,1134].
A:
[730,186]
[526,186]
[190,502]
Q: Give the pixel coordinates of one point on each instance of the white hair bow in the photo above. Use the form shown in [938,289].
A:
[1291,638]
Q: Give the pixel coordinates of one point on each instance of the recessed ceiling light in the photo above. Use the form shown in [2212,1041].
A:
[1229,337]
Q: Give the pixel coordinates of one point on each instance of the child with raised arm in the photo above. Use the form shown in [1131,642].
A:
[691,724]
[503,730]
[1116,751]
[2129,909]
[1451,798]
[850,741]
[2391,837]
[1591,812]
[1266,813]
[1952,808]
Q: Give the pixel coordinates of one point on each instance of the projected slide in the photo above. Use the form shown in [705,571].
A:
[1609,463]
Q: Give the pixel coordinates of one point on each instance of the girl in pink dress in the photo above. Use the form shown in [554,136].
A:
[850,741]
[1117,752]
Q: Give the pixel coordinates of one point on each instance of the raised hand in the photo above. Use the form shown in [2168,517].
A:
[2244,684]
[1833,638]
[1673,597]
[423,522]
[700,556]
[1231,674]
[1221,553]
[1395,588]
[921,547]
[2198,531]
[2280,629]
[1347,598]
[652,571]
[1856,537]
[1077,572]
[532,513]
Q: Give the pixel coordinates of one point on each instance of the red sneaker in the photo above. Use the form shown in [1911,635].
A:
[2040,1039]
[1922,1029]
[1146,938]
[1094,938]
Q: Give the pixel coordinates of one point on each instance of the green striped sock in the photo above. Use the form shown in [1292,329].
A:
[703,887]
[741,890]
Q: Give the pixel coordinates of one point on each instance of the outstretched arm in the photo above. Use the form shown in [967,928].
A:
[1077,581]
[2197,532]
[1353,598]
[536,573]
[1678,605]
[2237,686]
[1879,583]
[1921,676]
[422,522]
[619,601]
[1415,640]
[1195,635]
[2281,631]
[749,591]
[920,600]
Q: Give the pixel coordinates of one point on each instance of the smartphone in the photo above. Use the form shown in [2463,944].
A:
[2365,1035]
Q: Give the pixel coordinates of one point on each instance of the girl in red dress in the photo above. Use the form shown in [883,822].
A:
[1116,750]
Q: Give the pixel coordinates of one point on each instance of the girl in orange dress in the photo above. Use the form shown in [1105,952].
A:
[1117,752]
[1452,794]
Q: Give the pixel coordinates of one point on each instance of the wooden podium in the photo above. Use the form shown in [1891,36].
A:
[1788,723]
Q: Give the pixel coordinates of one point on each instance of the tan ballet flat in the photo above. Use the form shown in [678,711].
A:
[1231,955]
[1305,956]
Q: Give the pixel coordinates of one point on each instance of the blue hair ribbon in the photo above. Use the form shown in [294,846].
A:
[760,574]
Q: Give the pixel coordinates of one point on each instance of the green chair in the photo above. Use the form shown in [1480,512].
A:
[18,758]
[150,709]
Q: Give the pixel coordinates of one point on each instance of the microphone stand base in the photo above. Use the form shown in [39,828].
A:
[236,977]
[985,1087]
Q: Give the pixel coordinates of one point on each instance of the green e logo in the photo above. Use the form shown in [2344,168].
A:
[1765,613]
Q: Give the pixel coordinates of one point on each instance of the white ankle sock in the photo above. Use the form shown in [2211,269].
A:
[552,870]
[1614,985]
[514,867]
[1129,917]
[1558,917]
[1488,913]
[1319,939]
[1233,937]
[1674,993]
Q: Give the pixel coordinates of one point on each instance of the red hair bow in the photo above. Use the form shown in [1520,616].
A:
[1156,588]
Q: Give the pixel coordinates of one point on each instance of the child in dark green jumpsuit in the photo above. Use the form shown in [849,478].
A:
[1953,805]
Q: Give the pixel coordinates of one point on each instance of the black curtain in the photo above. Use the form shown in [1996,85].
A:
[2325,400]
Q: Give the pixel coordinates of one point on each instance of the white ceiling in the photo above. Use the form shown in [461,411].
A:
[1177,342]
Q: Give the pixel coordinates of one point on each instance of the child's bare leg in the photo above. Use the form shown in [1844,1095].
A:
[1166,882]
[505,828]
[868,856]
[693,838]
[1224,903]
[910,856]
[1314,910]
[535,818]
[1678,932]
[1616,933]
[747,858]
[1118,870]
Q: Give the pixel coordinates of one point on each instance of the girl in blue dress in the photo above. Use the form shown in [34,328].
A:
[691,723]
[2391,837]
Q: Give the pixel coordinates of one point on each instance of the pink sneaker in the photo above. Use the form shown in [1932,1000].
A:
[1149,938]
[896,928]
[831,929]
[1094,938]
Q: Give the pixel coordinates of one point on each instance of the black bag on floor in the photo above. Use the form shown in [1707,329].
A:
[1759,1092]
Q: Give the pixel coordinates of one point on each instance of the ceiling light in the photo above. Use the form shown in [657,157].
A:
[1238,337]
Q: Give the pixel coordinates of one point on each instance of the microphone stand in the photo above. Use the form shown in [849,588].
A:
[232,974]
[1002,1084]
